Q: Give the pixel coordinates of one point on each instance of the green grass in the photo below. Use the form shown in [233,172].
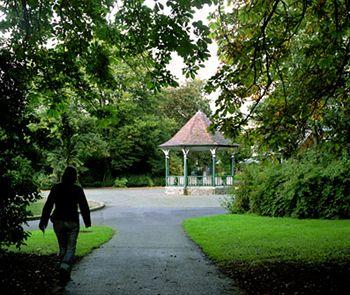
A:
[257,239]
[36,207]
[88,239]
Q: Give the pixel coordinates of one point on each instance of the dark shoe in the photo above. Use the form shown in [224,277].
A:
[64,277]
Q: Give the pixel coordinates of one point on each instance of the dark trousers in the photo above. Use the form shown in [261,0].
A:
[67,235]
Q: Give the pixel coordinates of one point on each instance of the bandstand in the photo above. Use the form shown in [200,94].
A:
[195,136]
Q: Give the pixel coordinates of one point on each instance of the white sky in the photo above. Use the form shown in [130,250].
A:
[210,66]
[176,65]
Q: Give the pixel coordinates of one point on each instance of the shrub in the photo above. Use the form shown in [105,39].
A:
[97,183]
[314,185]
[158,181]
[44,181]
[125,181]
[139,181]
[120,182]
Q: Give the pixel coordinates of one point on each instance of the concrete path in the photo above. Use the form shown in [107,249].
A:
[151,253]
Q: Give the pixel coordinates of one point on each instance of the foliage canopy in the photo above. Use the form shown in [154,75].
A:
[289,62]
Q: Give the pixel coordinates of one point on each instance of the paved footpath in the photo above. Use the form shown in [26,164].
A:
[151,253]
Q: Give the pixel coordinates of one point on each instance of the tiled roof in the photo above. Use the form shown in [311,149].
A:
[195,133]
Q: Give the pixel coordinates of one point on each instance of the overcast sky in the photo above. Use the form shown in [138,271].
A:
[177,64]
[211,64]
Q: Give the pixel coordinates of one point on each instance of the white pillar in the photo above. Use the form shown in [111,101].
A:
[185,153]
[167,155]
[213,155]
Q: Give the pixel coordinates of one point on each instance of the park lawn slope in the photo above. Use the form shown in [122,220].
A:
[46,244]
[297,255]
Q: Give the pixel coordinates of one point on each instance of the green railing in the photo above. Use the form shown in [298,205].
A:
[199,180]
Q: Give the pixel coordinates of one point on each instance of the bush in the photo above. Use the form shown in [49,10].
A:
[120,182]
[315,185]
[139,181]
[98,183]
[125,181]
[44,181]
[158,181]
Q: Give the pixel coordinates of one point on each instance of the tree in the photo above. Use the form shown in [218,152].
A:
[183,102]
[16,183]
[289,60]
[46,42]
[115,129]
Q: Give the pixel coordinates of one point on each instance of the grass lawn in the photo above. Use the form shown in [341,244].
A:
[247,245]
[248,238]
[37,207]
[88,239]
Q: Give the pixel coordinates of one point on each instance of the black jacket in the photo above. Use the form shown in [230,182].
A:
[66,198]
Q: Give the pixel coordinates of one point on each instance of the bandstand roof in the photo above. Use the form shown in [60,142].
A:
[195,135]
